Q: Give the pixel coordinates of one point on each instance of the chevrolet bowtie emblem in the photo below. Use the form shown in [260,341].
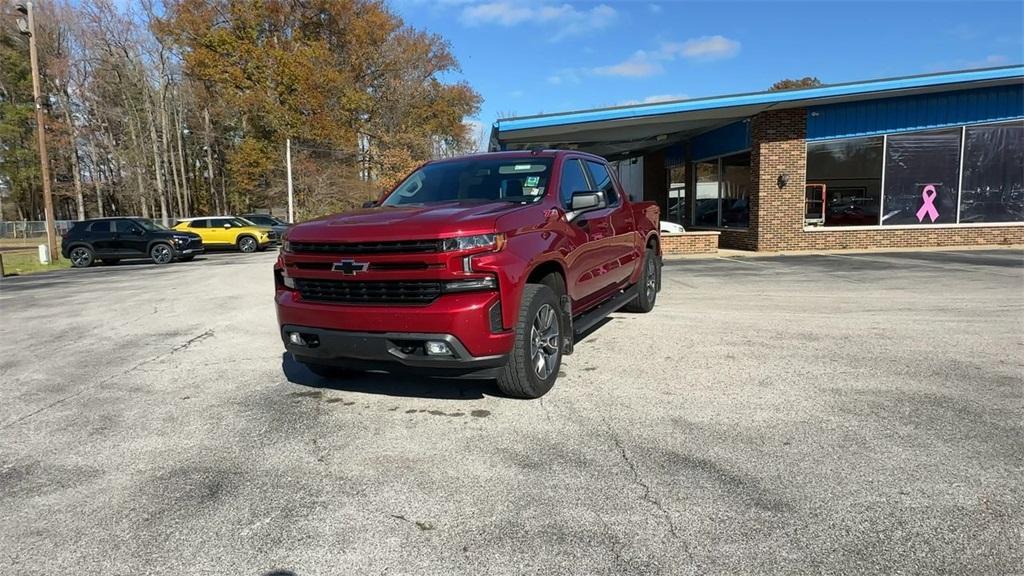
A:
[350,267]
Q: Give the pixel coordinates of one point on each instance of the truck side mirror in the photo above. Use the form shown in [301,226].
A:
[586,200]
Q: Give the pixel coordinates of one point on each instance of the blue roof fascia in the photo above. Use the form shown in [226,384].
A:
[760,98]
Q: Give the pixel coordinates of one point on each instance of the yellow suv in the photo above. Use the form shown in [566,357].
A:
[228,231]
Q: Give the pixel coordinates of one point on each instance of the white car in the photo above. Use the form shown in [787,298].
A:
[671,228]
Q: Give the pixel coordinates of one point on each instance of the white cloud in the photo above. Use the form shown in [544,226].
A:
[704,48]
[654,8]
[655,99]
[569,20]
[642,63]
[639,65]
[501,13]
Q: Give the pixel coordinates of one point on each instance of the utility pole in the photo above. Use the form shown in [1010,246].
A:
[288,161]
[44,162]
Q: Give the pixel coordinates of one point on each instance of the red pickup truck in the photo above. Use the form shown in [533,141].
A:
[484,266]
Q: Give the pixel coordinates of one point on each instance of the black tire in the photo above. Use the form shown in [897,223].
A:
[81,256]
[188,258]
[110,261]
[525,376]
[649,285]
[161,253]
[247,244]
[326,371]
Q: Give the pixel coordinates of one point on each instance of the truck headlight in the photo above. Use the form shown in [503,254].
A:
[286,246]
[470,285]
[493,242]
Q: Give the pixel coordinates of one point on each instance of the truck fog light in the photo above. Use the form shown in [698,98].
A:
[437,348]
[296,338]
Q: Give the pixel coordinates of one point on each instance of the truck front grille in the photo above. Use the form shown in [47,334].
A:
[398,247]
[354,292]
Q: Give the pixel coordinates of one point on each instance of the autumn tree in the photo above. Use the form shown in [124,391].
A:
[181,107]
[345,77]
[790,84]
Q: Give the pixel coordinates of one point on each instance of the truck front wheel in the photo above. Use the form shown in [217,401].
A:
[537,355]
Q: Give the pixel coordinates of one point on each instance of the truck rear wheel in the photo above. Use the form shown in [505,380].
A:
[537,355]
[649,285]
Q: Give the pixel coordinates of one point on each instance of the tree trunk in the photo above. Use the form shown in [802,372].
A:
[209,159]
[154,144]
[96,176]
[75,167]
[181,164]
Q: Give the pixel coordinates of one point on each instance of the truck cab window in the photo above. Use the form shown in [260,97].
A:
[603,182]
[573,180]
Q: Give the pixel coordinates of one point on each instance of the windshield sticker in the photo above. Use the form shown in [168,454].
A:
[532,181]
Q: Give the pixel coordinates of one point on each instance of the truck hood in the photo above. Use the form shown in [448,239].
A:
[414,222]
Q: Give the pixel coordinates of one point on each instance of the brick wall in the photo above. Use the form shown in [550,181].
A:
[690,243]
[777,214]
[778,147]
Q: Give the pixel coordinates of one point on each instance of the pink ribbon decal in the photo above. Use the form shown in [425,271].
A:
[928,208]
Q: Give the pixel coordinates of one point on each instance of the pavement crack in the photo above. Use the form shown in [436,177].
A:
[80,391]
[646,495]
[193,340]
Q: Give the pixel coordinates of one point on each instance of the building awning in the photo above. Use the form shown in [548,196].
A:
[625,130]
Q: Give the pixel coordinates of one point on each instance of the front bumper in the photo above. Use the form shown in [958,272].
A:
[466,317]
[189,251]
[389,351]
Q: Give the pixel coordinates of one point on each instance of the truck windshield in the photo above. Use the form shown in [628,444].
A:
[488,179]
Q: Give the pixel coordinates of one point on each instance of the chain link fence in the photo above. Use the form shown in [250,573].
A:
[30,229]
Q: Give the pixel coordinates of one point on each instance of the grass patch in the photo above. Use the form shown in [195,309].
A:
[20,263]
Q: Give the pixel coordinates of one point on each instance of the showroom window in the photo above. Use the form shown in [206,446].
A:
[705,207]
[922,178]
[676,176]
[848,174]
[918,178]
[735,191]
[722,198]
[992,188]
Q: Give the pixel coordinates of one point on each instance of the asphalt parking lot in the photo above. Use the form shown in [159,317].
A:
[827,414]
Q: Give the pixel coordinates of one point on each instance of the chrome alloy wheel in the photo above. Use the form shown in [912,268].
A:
[247,244]
[544,341]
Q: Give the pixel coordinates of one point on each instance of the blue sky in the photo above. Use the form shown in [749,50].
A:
[528,57]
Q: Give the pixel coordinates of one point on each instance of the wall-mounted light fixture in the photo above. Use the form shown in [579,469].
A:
[783,180]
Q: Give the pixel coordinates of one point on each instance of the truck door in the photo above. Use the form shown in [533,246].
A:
[583,262]
[619,253]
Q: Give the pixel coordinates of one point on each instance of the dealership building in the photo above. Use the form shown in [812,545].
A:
[931,160]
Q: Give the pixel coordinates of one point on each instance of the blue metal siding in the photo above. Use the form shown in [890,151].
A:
[919,112]
[872,87]
[720,141]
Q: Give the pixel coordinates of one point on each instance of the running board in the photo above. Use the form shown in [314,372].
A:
[589,319]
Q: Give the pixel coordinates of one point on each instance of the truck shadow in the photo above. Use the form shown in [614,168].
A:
[391,384]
